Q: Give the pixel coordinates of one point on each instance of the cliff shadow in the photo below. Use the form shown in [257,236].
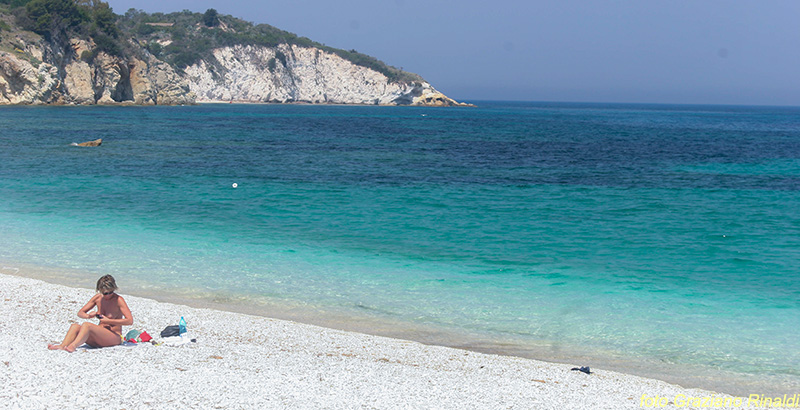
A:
[123,90]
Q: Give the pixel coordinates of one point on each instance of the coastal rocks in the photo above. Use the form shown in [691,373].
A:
[285,74]
[78,82]
[135,81]
[434,98]
[81,75]
[111,80]
[156,82]
[95,143]
[23,83]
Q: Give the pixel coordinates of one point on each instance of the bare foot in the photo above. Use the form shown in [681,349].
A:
[55,347]
[69,348]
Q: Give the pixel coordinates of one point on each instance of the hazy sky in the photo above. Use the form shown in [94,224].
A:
[668,51]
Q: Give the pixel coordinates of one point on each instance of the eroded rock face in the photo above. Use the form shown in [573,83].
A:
[104,79]
[258,74]
[169,86]
[241,73]
[23,83]
[78,81]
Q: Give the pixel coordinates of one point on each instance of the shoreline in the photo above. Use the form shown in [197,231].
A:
[312,103]
[684,375]
[303,365]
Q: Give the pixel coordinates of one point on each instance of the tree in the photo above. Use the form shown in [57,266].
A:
[104,19]
[52,18]
[211,18]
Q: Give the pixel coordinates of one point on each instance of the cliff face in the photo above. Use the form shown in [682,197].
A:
[21,82]
[43,74]
[300,74]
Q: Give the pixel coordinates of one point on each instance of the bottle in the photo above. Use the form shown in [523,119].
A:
[181,327]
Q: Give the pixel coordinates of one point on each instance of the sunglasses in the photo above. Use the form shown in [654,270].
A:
[107,293]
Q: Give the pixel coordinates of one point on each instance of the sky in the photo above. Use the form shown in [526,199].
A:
[743,52]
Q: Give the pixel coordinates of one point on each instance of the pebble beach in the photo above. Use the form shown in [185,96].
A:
[250,362]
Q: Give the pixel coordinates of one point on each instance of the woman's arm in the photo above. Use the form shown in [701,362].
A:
[126,313]
[84,312]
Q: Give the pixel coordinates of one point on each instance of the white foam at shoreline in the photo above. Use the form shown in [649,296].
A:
[243,361]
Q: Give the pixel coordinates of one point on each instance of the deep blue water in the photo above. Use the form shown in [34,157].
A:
[630,235]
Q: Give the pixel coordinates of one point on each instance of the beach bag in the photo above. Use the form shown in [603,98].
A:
[172,330]
[145,337]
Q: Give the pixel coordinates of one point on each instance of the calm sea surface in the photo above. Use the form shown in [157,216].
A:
[659,240]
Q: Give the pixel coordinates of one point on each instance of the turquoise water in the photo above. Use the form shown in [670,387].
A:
[661,240]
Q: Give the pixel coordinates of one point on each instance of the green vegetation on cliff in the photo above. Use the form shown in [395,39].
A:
[59,20]
[181,38]
[184,38]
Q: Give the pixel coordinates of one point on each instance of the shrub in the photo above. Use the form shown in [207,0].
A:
[107,44]
[178,33]
[281,57]
[145,29]
[87,56]
[185,58]
[154,48]
[211,18]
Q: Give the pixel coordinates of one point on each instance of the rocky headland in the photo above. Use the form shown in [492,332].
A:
[147,64]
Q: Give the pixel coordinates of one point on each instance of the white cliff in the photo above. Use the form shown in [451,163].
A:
[300,74]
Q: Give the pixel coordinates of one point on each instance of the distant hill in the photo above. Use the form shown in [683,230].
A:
[81,52]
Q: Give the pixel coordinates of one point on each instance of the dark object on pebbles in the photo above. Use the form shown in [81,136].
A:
[584,369]
[172,330]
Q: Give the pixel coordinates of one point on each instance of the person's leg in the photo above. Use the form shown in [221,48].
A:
[71,333]
[94,335]
[102,337]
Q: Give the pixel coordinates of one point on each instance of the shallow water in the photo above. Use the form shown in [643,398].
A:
[648,238]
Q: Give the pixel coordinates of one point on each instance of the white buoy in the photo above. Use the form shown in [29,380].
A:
[235,185]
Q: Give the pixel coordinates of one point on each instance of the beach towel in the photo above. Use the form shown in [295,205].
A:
[177,341]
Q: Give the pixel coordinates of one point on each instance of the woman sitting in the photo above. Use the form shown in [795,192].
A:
[111,310]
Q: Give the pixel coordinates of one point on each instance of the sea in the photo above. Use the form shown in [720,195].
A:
[657,240]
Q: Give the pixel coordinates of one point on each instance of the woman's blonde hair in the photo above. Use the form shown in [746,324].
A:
[106,284]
